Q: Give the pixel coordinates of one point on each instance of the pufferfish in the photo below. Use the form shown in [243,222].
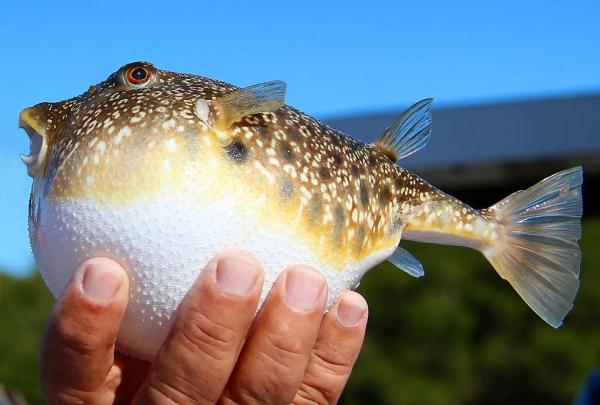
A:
[161,171]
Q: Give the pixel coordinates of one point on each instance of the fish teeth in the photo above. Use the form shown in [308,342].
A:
[28,160]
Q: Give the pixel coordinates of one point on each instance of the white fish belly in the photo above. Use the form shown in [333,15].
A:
[163,243]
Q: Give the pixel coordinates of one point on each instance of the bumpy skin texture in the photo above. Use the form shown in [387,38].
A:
[132,173]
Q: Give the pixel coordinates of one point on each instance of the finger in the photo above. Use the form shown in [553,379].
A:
[273,361]
[79,342]
[338,345]
[132,373]
[196,360]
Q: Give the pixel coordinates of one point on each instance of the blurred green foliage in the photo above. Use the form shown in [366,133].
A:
[460,335]
[24,307]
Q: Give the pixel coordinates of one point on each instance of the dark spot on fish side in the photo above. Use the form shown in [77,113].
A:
[364,194]
[385,195]
[337,159]
[286,152]
[355,170]
[324,173]
[237,152]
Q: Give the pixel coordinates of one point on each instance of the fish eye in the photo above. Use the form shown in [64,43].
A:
[138,75]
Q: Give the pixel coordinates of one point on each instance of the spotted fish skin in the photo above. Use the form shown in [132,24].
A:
[348,194]
[163,174]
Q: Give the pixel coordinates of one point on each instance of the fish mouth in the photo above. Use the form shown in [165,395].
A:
[37,142]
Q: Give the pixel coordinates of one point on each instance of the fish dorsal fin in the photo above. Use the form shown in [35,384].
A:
[258,98]
[409,133]
[405,261]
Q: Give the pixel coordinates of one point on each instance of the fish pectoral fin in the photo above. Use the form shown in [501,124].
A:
[406,262]
[409,133]
[258,98]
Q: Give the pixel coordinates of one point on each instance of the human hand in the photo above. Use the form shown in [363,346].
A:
[214,352]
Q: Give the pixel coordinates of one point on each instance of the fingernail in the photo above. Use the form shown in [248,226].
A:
[351,309]
[303,288]
[236,276]
[101,281]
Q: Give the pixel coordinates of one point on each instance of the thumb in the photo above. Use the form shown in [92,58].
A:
[78,346]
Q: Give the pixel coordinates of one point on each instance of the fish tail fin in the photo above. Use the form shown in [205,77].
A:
[538,252]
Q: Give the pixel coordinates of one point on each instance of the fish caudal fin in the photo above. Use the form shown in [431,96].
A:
[538,253]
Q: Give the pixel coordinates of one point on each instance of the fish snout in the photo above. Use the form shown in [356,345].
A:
[35,121]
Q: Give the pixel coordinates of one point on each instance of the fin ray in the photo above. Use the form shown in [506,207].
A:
[258,98]
[406,262]
[409,133]
[540,256]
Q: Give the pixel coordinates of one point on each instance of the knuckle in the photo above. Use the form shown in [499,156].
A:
[279,355]
[285,350]
[332,364]
[240,396]
[275,393]
[203,334]
[76,324]
[308,394]
[78,338]
[172,388]
[324,379]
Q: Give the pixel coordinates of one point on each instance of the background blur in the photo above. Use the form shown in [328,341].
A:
[517,89]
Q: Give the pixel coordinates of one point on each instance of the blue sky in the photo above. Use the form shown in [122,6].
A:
[338,57]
